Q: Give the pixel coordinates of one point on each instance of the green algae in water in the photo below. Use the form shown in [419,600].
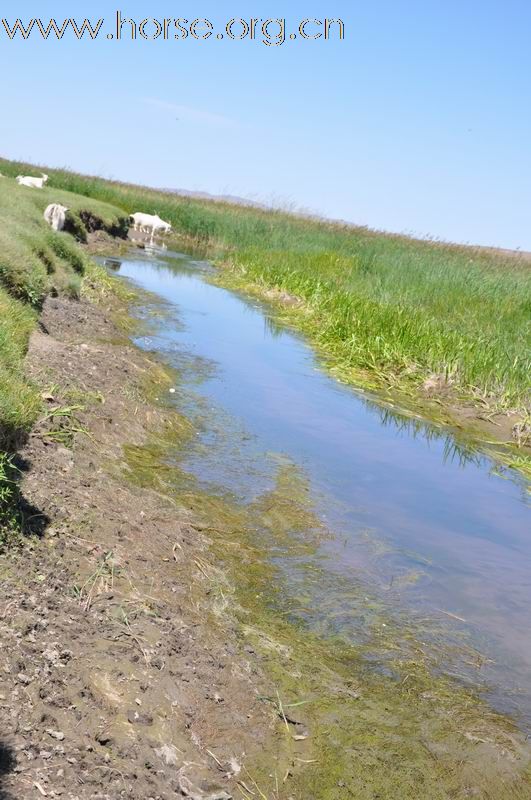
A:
[381,721]
[381,718]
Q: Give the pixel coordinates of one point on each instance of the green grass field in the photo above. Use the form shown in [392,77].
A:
[399,309]
[34,262]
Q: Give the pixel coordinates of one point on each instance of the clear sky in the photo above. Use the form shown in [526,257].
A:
[418,122]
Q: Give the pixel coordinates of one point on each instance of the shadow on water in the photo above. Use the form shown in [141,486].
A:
[457,452]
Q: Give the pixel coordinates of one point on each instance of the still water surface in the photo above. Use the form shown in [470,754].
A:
[432,530]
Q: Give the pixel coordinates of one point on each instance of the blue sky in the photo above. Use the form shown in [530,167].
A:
[418,122]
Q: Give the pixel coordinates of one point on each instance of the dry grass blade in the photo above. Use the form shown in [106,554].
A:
[260,792]
[244,785]
[281,711]
[216,759]
[100,581]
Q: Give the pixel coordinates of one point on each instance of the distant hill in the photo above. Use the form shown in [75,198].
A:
[220,198]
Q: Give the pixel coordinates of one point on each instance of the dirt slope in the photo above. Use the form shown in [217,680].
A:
[112,683]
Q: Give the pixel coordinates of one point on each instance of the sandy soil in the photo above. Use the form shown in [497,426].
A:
[112,682]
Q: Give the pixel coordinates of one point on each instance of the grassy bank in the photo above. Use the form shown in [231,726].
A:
[34,262]
[403,313]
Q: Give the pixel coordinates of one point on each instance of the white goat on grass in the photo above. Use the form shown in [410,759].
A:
[55,215]
[33,183]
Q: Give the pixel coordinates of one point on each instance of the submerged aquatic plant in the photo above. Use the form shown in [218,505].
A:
[365,719]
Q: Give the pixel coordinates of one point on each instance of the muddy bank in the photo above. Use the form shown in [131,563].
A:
[113,684]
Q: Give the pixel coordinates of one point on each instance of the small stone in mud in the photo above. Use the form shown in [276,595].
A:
[45,754]
[59,735]
[25,679]
[51,655]
[169,754]
[64,452]
[136,718]
[187,789]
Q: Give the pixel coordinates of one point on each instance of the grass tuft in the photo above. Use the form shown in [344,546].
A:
[9,523]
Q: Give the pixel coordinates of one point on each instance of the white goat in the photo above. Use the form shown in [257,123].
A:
[55,215]
[149,223]
[33,183]
[160,225]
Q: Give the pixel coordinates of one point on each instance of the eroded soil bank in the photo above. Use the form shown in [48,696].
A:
[112,685]
[144,654]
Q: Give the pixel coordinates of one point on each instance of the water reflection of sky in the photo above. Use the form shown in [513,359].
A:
[463,528]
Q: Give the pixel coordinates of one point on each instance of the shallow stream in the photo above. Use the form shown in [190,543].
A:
[429,529]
